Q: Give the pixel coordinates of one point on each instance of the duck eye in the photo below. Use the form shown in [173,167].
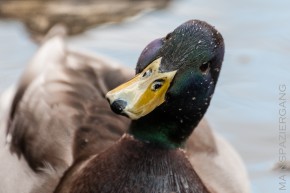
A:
[157,84]
[147,73]
[204,67]
[168,36]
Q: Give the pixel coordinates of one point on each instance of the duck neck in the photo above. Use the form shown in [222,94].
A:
[163,131]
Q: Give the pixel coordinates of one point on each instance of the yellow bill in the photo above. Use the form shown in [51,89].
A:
[144,92]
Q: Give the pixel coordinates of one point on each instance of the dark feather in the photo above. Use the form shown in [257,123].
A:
[146,168]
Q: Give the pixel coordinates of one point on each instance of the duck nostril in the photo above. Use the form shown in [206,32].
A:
[118,106]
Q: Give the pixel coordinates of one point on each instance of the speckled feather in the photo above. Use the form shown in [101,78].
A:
[60,113]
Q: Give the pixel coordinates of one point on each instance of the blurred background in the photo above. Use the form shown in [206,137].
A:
[245,108]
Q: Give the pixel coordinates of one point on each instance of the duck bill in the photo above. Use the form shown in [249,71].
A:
[142,94]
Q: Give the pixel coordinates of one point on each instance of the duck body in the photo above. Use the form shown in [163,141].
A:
[57,104]
[58,114]
[134,166]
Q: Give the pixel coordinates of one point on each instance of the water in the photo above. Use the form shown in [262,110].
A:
[245,108]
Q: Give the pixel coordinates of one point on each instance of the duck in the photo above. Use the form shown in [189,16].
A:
[167,147]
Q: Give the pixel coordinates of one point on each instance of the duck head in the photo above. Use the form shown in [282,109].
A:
[175,79]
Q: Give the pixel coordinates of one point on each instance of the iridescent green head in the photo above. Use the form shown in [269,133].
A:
[175,80]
